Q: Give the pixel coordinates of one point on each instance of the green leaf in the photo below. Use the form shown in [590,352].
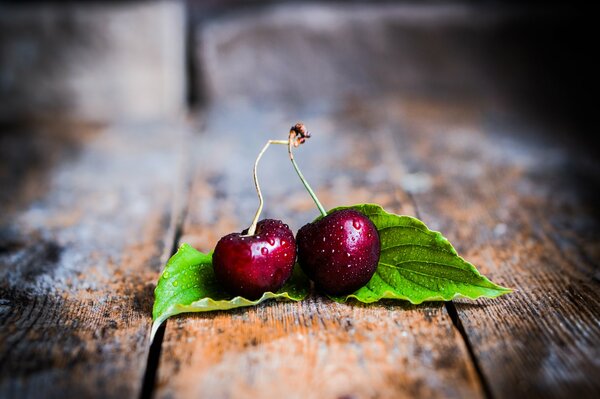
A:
[418,264]
[188,284]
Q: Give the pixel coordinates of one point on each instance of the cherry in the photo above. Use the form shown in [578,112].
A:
[339,252]
[259,259]
[248,266]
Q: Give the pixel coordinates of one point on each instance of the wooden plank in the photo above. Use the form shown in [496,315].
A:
[86,228]
[315,348]
[522,205]
[101,61]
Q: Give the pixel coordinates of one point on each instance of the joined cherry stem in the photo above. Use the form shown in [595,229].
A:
[291,142]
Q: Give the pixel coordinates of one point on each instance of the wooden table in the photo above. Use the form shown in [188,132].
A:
[90,213]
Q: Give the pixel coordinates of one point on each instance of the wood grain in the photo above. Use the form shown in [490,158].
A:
[523,207]
[316,348]
[87,216]
[85,232]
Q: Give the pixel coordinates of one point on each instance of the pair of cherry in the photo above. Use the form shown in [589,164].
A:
[339,251]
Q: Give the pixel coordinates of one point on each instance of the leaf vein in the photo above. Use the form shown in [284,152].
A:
[428,262]
[440,277]
[418,245]
[425,231]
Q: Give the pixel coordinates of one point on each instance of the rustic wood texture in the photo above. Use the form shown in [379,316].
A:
[428,111]
[316,348]
[409,108]
[85,224]
[524,208]
[508,201]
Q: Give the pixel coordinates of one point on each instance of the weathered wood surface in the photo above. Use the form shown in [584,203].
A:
[508,202]
[316,348]
[411,110]
[524,208]
[84,227]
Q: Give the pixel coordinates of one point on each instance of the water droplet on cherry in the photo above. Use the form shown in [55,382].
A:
[349,232]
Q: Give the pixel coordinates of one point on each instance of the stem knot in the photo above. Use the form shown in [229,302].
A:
[300,133]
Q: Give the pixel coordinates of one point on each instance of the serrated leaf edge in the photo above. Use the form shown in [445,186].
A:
[392,295]
[209,304]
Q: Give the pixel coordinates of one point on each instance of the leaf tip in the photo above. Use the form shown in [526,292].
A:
[499,291]
[507,290]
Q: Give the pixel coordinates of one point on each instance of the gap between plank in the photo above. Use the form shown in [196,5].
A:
[153,360]
[452,312]
[152,364]
[179,212]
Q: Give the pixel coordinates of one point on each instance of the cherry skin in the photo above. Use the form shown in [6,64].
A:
[339,252]
[249,266]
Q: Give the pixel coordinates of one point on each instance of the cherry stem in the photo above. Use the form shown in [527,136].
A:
[252,228]
[291,143]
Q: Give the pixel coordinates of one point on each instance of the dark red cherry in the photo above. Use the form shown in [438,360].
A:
[339,252]
[248,266]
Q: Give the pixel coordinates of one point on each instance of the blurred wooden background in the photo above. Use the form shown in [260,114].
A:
[129,127]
